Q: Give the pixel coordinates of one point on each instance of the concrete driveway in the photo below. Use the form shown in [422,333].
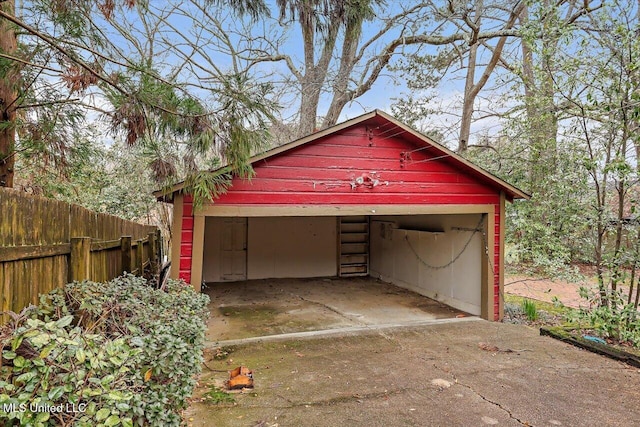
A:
[360,352]
[469,373]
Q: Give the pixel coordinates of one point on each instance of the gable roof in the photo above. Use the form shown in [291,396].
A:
[379,118]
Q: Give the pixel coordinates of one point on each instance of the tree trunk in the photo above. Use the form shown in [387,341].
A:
[617,263]
[8,82]
[315,73]
[621,187]
[341,93]
[469,98]
[604,300]
[634,267]
[309,101]
[473,88]
[601,203]
[541,111]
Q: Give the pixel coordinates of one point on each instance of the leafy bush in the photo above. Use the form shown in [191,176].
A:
[616,320]
[104,354]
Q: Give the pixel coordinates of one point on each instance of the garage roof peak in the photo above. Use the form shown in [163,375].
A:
[377,120]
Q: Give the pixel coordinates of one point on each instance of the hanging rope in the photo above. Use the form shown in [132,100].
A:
[464,248]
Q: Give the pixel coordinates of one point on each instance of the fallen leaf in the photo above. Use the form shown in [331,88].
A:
[488,347]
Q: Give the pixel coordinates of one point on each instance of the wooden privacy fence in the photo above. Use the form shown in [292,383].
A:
[46,243]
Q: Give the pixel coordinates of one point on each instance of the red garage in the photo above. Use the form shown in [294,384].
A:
[370,196]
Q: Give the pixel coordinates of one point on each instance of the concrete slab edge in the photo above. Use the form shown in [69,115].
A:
[352,330]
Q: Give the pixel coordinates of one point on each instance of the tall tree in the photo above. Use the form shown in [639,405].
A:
[9,75]
[487,27]
[323,26]
[607,111]
[472,87]
[342,58]
[492,31]
[123,60]
[548,28]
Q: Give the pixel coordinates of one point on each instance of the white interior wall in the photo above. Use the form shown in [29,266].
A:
[211,262]
[404,250]
[277,247]
[292,247]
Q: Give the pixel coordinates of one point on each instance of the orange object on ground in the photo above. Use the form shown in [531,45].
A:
[240,377]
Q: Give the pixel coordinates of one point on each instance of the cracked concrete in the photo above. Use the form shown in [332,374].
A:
[507,410]
[347,316]
[387,379]
[467,386]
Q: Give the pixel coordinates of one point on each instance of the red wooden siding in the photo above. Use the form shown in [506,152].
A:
[496,265]
[186,241]
[325,172]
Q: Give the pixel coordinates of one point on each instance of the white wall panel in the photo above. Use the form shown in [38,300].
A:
[292,247]
[436,241]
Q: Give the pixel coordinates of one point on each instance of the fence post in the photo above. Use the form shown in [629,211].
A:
[125,250]
[140,257]
[159,248]
[153,251]
[80,263]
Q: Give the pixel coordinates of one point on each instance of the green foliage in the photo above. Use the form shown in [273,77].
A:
[554,308]
[207,185]
[118,353]
[616,319]
[553,229]
[131,65]
[101,179]
[217,396]
[530,310]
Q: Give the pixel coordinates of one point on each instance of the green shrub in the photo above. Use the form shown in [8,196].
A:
[617,320]
[118,354]
[530,310]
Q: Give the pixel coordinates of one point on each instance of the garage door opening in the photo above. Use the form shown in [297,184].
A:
[437,256]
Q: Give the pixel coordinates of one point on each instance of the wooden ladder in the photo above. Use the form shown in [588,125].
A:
[353,233]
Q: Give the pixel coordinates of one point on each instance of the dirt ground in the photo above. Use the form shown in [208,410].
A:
[468,373]
[544,289]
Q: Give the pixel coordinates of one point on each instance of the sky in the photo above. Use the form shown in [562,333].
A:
[176,38]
